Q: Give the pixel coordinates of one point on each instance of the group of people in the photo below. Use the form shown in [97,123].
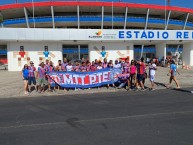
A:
[137,72]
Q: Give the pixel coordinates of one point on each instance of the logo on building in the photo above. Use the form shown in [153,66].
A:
[97,35]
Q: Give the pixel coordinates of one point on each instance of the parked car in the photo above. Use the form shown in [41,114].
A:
[3,66]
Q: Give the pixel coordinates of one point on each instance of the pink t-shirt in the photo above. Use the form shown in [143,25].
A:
[132,69]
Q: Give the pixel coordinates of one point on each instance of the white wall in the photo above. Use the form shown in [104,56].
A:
[187,54]
[114,49]
[161,50]
[32,48]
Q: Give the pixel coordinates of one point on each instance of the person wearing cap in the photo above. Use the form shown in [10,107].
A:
[41,78]
[173,72]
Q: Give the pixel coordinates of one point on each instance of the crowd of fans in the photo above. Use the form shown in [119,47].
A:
[136,69]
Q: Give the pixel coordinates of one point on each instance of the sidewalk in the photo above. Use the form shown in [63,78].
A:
[12,84]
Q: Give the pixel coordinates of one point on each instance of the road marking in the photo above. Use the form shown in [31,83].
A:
[95,120]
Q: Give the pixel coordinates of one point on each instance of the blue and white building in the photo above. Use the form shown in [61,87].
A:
[79,29]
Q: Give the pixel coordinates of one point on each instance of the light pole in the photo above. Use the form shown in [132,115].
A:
[33,13]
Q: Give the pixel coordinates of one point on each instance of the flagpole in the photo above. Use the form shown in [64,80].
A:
[112,14]
[33,13]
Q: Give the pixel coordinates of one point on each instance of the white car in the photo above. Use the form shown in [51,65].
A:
[3,66]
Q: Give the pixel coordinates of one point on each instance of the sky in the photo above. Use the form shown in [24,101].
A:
[179,3]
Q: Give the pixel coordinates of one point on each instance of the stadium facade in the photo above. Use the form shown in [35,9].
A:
[76,30]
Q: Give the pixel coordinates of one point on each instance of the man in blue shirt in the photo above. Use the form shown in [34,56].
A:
[173,72]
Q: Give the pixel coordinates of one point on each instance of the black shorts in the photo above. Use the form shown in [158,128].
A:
[31,80]
[140,77]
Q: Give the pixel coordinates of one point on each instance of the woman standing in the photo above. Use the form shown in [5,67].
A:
[25,73]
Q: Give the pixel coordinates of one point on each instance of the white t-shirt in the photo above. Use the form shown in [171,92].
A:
[99,67]
[69,68]
[152,69]
[117,65]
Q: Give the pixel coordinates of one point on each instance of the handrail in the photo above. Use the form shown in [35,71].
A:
[89,16]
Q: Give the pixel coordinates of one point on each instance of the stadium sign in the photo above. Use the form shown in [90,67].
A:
[31,34]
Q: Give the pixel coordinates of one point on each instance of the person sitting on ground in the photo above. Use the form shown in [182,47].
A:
[123,80]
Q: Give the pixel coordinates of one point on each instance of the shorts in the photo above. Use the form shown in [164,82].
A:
[31,80]
[140,77]
[25,78]
[152,78]
[42,81]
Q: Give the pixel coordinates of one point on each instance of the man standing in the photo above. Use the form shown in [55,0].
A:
[41,78]
[64,64]
[173,72]
[31,77]
[140,73]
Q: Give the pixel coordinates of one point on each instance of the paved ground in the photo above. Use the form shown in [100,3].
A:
[161,117]
[12,84]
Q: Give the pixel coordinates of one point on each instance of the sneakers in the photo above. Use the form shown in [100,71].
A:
[143,89]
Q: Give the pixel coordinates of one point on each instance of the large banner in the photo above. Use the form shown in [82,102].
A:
[85,79]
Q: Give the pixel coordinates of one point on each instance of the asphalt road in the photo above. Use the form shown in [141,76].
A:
[161,117]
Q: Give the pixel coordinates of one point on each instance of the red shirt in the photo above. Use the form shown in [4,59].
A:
[141,68]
